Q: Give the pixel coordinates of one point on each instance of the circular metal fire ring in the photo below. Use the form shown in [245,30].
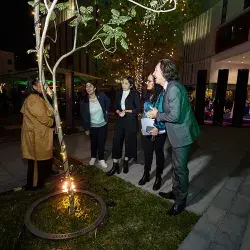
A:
[50,236]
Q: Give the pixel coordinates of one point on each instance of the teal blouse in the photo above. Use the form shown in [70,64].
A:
[159,105]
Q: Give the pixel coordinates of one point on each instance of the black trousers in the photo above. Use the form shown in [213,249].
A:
[44,171]
[126,129]
[156,146]
[98,139]
[180,175]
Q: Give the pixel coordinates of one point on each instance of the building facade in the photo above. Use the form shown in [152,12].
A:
[6,62]
[217,39]
[79,61]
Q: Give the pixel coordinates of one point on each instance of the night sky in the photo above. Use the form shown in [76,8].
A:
[16,26]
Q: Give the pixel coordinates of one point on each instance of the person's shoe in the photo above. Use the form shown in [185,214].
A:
[125,167]
[169,195]
[145,178]
[103,164]
[157,184]
[92,161]
[176,209]
[114,169]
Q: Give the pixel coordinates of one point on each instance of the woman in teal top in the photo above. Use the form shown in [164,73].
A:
[155,141]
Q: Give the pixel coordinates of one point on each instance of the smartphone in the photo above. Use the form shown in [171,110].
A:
[149,129]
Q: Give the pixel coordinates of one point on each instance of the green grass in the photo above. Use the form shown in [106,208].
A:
[139,221]
[52,216]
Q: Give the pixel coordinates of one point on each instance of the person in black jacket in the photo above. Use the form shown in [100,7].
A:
[127,106]
[94,113]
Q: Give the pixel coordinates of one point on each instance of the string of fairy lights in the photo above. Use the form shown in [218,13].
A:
[133,62]
[68,185]
[141,53]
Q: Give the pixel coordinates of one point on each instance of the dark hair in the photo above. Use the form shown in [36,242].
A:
[169,70]
[154,93]
[86,95]
[131,81]
[30,87]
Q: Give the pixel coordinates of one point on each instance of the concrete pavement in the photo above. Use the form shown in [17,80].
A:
[219,182]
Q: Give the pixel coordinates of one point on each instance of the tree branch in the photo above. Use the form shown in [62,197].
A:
[47,64]
[155,10]
[53,40]
[46,5]
[47,20]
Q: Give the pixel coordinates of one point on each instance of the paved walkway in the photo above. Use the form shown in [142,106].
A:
[219,177]
[219,190]
[12,167]
[226,223]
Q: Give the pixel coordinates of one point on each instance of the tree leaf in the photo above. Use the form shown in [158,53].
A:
[124,44]
[62,6]
[107,41]
[53,16]
[116,13]
[153,3]
[42,9]
[133,12]
[31,3]
[107,28]
[73,23]
[89,9]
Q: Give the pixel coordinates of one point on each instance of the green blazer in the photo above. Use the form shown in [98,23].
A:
[182,127]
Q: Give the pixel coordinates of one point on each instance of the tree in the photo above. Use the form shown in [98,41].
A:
[150,37]
[110,35]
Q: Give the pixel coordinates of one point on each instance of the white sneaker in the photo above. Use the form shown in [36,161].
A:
[92,161]
[103,164]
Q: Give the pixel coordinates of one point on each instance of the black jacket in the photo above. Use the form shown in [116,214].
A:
[132,102]
[85,113]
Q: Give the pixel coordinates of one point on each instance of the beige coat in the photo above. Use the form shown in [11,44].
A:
[37,134]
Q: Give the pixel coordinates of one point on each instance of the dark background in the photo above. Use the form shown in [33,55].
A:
[16,26]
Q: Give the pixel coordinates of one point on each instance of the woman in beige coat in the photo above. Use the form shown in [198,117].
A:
[37,136]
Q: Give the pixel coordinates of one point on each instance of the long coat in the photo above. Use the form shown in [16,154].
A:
[37,134]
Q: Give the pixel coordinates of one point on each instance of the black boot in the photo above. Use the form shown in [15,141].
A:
[157,184]
[145,178]
[177,209]
[125,167]
[114,169]
[169,195]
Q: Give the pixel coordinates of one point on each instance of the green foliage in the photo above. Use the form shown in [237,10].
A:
[117,19]
[83,16]
[113,32]
[150,42]
[31,3]
[62,6]
[132,12]
[43,9]
[137,221]
[110,33]
[124,31]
